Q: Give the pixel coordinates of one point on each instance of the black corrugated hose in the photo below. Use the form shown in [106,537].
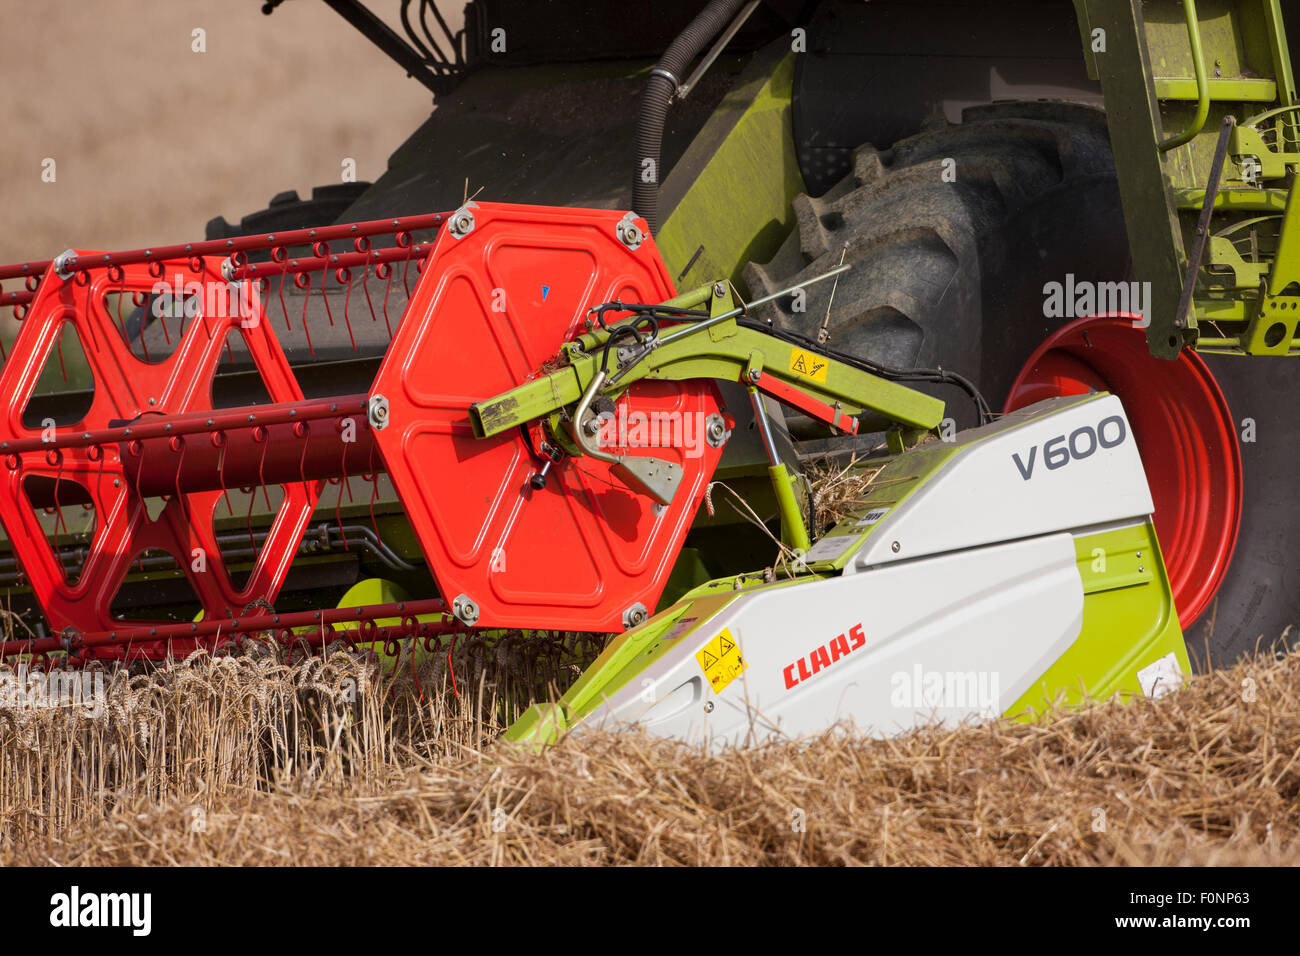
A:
[658,96]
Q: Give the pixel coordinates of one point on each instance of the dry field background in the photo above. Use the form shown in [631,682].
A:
[151,140]
[250,761]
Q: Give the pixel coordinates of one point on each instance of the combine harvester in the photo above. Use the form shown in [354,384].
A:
[506,418]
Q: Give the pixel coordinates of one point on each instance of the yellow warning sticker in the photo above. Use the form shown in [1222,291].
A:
[808,364]
[721,661]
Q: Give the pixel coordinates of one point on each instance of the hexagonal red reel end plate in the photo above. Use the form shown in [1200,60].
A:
[491,308]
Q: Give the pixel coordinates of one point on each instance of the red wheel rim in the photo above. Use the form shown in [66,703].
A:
[1184,432]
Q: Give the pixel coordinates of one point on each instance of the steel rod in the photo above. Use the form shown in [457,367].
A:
[258,623]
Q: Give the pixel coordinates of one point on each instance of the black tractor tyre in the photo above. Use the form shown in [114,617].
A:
[287,211]
[952,235]
[1257,607]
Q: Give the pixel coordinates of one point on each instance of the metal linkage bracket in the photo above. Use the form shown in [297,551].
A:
[818,385]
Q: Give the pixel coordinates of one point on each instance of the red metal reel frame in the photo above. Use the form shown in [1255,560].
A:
[492,307]
[126,388]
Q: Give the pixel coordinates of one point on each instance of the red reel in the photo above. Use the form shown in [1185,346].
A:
[130,384]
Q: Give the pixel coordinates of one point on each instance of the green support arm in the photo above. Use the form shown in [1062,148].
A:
[718,348]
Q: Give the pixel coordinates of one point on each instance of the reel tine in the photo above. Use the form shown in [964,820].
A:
[347,299]
[203,314]
[305,284]
[450,667]
[148,305]
[144,346]
[406,269]
[324,274]
[374,490]
[374,495]
[385,271]
[347,484]
[365,287]
[284,308]
[343,483]
[261,471]
[162,320]
[248,517]
[338,511]
[221,475]
[184,499]
[303,430]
